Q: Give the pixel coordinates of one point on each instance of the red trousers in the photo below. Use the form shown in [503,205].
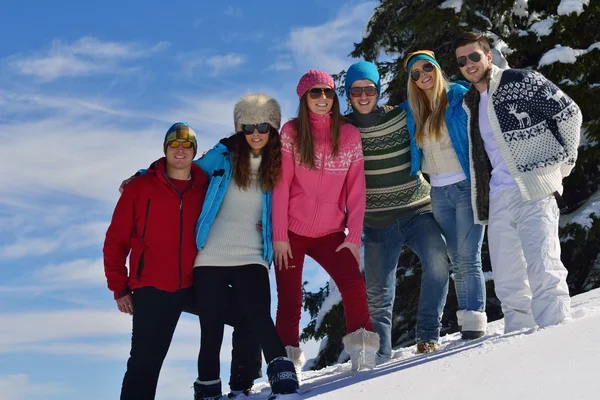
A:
[341,267]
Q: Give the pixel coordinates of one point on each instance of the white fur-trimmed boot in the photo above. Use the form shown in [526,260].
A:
[474,324]
[296,355]
[362,345]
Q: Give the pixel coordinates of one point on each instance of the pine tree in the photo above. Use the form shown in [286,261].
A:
[524,34]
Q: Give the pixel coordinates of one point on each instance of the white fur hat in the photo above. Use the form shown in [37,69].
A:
[256,109]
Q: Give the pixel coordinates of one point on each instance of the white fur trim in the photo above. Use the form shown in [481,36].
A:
[460,314]
[256,109]
[296,356]
[362,346]
[474,321]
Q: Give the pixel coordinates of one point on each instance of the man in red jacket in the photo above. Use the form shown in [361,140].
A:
[155,220]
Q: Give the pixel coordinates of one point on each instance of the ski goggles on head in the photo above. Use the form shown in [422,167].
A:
[415,75]
[175,144]
[316,93]
[357,91]
[249,129]
[474,56]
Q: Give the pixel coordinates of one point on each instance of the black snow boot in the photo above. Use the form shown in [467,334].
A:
[207,390]
[282,377]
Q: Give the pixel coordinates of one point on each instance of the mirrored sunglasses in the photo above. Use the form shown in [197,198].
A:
[357,91]
[474,56]
[415,75]
[249,129]
[175,144]
[316,93]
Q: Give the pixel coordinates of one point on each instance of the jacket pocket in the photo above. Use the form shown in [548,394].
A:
[140,268]
[330,216]
[302,208]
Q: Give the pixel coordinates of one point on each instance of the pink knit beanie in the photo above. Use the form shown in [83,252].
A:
[312,78]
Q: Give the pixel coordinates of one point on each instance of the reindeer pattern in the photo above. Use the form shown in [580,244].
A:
[523,117]
[558,96]
[528,109]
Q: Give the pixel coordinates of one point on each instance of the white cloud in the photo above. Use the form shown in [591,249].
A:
[72,238]
[23,328]
[81,272]
[283,62]
[20,387]
[85,57]
[234,12]
[319,46]
[192,64]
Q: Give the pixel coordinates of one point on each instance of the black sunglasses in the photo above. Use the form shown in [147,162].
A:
[416,74]
[316,93]
[249,129]
[474,56]
[357,91]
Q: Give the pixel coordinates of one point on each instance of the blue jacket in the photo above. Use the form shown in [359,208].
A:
[218,166]
[456,121]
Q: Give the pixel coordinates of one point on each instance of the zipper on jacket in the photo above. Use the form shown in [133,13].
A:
[180,227]
[141,259]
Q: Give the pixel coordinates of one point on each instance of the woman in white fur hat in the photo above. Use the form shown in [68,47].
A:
[243,170]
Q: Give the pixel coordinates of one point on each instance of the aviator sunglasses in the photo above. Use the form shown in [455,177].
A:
[474,56]
[358,91]
[415,75]
[186,145]
[248,129]
[316,93]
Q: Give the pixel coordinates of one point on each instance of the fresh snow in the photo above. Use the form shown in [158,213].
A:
[499,48]
[567,7]
[543,27]
[559,362]
[456,4]
[520,8]
[565,54]
[582,216]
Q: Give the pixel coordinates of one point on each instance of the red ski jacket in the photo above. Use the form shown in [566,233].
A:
[157,224]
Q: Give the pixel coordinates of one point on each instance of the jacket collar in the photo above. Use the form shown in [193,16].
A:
[159,169]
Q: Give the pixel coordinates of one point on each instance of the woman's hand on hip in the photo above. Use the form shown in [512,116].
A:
[353,249]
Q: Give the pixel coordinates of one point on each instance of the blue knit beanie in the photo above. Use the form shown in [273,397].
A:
[362,70]
[420,55]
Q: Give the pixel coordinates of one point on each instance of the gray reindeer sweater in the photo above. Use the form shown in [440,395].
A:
[537,129]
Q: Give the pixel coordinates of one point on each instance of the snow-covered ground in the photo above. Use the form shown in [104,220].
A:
[559,362]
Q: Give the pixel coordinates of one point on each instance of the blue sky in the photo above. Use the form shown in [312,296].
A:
[87,91]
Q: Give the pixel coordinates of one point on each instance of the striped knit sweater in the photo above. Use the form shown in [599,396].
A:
[391,192]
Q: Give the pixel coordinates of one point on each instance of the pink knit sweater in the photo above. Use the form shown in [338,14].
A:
[317,202]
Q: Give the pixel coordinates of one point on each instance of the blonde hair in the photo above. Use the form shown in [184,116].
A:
[428,112]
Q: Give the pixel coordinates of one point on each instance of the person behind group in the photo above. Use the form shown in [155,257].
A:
[523,138]
[398,214]
[154,220]
[437,125]
[243,170]
[321,193]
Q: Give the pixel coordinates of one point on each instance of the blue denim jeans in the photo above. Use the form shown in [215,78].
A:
[382,249]
[452,210]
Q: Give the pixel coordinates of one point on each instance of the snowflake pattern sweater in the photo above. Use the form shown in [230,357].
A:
[537,128]
[328,199]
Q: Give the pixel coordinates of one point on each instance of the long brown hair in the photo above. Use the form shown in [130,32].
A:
[270,164]
[429,113]
[304,141]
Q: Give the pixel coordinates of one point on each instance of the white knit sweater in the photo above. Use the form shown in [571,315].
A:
[234,239]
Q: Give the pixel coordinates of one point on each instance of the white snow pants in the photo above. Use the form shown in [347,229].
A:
[529,278]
